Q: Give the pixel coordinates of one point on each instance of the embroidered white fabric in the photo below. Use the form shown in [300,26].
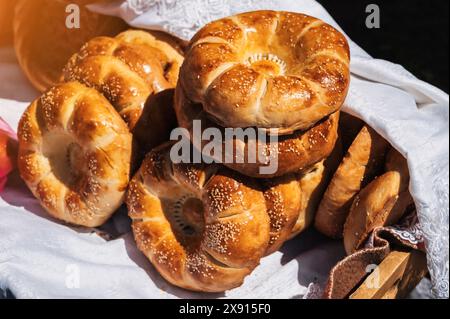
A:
[41,258]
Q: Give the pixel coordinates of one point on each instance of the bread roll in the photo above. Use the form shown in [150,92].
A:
[44,43]
[127,69]
[364,160]
[75,154]
[202,227]
[292,153]
[381,203]
[267,69]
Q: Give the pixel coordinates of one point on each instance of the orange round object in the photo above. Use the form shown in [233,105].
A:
[6,21]
[46,35]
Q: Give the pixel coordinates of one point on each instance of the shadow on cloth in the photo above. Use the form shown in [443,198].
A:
[166,288]
[326,253]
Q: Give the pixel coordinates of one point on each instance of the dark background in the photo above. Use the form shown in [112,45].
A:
[413,33]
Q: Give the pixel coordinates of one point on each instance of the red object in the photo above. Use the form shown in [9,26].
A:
[8,140]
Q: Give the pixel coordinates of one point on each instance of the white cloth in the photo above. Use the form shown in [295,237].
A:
[41,258]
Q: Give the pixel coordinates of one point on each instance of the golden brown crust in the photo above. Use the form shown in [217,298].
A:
[126,69]
[74,154]
[294,152]
[204,228]
[283,201]
[313,183]
[381,203]
[363,161]
[292,199]
[175,42]
[267,69]
[43,43]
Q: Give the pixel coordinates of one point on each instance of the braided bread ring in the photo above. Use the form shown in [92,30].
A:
[294,152]
[74,154]
[204,229]
[267,69]
[126,69]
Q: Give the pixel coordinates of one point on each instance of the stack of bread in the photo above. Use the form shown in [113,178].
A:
[205,226]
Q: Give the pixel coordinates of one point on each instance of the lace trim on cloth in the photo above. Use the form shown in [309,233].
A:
[408,232]
[435,225]
[189,14]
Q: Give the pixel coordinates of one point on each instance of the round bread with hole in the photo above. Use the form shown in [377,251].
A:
[203,227]
[75,154]
[287,154]
[126,69]
[267,69]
